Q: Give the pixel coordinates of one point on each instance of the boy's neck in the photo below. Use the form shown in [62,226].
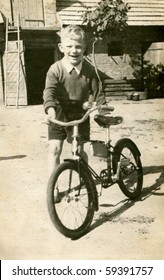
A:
[70,66]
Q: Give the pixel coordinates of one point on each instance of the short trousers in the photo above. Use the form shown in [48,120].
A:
[56,132]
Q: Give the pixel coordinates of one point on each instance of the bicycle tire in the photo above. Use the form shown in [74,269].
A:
[73,215]
[131,176]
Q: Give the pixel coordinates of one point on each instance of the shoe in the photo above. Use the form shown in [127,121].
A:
[57,197]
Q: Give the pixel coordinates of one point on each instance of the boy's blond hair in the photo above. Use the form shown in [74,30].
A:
[72,31]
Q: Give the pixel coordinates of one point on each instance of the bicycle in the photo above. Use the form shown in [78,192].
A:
[77,181]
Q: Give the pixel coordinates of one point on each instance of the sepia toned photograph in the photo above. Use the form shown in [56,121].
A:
[82,130]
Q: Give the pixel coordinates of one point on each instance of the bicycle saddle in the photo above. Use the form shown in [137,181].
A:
[106,121]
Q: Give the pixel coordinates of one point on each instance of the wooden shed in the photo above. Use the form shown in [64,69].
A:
[27,49]
[125,64]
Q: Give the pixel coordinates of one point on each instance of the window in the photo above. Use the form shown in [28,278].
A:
[115,48]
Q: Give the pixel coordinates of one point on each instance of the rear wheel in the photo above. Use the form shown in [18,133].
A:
[127,160]
[73,213]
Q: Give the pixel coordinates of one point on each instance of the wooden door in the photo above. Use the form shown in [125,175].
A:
[154,54]
[37,61]
[31,13]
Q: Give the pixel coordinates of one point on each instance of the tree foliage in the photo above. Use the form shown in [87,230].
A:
[108,19]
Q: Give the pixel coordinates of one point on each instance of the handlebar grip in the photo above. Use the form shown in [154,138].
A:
[77,122]
[106,108]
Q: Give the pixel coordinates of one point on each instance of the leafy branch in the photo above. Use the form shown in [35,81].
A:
[107,20]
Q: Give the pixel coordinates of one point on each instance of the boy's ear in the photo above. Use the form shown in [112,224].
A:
[60,46]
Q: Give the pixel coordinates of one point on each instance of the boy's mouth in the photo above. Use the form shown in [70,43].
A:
[74,56]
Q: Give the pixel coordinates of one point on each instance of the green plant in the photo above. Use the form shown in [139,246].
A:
[107,20]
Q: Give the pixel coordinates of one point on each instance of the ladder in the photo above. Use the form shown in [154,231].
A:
[15,84]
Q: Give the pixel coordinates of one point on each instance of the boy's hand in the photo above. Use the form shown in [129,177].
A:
[87,105]
[51,114]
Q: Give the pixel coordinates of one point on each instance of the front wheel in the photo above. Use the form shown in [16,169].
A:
[126,161]
[73,213]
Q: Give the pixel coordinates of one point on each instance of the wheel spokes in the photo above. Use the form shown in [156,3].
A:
[129,170]
[73,208]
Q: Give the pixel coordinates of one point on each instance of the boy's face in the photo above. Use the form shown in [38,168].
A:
[73,49]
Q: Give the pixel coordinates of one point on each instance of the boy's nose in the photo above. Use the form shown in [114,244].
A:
[73,49]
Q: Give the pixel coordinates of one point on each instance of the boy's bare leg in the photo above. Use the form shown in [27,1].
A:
[54,153]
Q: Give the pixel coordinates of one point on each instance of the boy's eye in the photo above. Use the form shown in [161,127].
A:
[76,47]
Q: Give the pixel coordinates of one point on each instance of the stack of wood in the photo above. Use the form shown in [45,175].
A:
[120,89]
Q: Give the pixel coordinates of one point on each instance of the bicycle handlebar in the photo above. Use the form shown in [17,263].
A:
[77,122]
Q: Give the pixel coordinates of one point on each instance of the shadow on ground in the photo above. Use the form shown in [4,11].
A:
[12,157]
[126,203]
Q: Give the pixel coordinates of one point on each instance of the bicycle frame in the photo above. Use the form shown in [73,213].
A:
[72,209]
[106,177]
[110,178]
[110,175]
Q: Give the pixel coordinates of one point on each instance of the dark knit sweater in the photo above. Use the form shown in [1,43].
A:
[67,94]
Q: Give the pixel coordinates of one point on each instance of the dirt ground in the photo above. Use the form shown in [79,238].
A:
[121,229]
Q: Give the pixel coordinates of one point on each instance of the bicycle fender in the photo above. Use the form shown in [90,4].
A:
[127,140]
[91,182]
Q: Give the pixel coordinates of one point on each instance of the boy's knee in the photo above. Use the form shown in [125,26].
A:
[55,148]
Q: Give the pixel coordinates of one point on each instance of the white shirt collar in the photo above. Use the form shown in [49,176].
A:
[69,66]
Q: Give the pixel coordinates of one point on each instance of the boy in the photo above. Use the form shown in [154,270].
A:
[70,83]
